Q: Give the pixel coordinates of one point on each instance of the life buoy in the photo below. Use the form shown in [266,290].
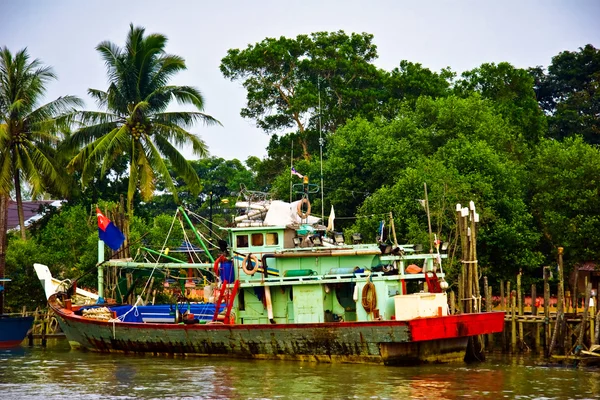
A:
[301,213]
[250,264]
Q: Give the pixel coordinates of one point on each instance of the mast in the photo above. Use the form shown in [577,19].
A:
[321,148]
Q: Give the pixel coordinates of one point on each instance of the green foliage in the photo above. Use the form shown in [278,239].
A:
[511,90]
[564,179]
[136,123]
[24,289]
[570,93]
[28,129]
[286,80]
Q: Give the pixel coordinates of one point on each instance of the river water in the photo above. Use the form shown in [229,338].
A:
[57,372]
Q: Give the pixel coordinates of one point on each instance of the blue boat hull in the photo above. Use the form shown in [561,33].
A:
[13,330]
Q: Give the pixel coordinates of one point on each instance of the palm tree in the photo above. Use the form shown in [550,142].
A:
[28,130]
[136,123]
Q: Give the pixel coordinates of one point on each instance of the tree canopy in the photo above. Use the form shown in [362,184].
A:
[137,122]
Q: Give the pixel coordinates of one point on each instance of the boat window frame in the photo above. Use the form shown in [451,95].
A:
[254,239]
[240,243]
[271,234]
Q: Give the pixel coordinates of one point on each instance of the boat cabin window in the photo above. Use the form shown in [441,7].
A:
[257,239]
[241,241]
[272,239]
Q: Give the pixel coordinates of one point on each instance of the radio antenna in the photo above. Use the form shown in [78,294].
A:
[321,147]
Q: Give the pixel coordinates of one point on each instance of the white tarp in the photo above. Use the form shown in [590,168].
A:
[282,213]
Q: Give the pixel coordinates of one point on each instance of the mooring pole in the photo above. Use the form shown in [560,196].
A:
[100,269]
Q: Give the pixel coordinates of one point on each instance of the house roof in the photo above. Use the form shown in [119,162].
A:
[31,211]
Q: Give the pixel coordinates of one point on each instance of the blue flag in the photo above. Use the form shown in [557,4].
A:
[108,232]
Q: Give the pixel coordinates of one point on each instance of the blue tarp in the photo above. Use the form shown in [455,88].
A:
[165,312]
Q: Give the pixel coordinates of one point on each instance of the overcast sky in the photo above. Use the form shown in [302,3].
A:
[437,34]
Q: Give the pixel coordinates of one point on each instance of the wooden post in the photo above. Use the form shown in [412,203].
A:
[469,285]
[508,294]
[561,282]
[584,319]
[474,217]
[597,328]
[489,308]
[560,317]
[488,300]
[513,320]
[519,296]
[575,288]
[546,310]
[44,327]
[520,309]
[534,311]
[502,299]
[592,319]
[452,303]
[461,293]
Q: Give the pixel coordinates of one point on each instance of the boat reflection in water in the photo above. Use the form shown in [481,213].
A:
[56,372]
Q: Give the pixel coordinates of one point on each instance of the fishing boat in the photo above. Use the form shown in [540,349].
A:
[285,287]
[13,329]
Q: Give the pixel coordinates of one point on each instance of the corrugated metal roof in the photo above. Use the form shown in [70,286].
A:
[30,209]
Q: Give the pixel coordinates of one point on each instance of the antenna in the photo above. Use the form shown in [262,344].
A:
[291,166]
[321,147]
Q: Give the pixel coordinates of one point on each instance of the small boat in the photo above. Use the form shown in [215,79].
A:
[52,285]
[13,329]
[286,288]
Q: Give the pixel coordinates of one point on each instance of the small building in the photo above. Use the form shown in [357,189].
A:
[591,271]
[32,210]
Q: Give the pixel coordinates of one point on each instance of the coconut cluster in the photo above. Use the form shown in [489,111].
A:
[138,130]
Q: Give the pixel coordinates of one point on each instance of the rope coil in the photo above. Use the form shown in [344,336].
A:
[369,297]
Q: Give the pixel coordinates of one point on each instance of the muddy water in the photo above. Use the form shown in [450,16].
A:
[56,372]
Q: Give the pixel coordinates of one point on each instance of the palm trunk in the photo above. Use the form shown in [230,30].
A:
[4,201]
[20,205]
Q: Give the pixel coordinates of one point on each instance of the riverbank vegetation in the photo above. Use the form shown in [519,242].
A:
[521,143]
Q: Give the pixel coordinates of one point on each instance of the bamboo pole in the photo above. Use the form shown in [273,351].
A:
[586,308]
[473,253]
[560,304]
[534,312]
[592,320]
[489,308]
[597,335]
[546,310]
[488,300]
[461,292]
[561,283]
[513,320]
[575,289]
[520,307]
[502,299]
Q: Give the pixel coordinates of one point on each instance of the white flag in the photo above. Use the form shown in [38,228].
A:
[330,221]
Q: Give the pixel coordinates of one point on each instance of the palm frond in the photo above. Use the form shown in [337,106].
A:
[159,164]
[54,108]
[6,181]
[101,97]
[179,163]
[180,137]
[184,118]
[118,144]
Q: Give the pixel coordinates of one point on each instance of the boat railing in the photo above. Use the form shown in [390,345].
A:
[328,278]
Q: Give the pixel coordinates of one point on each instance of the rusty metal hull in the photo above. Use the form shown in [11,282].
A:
[378,342]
